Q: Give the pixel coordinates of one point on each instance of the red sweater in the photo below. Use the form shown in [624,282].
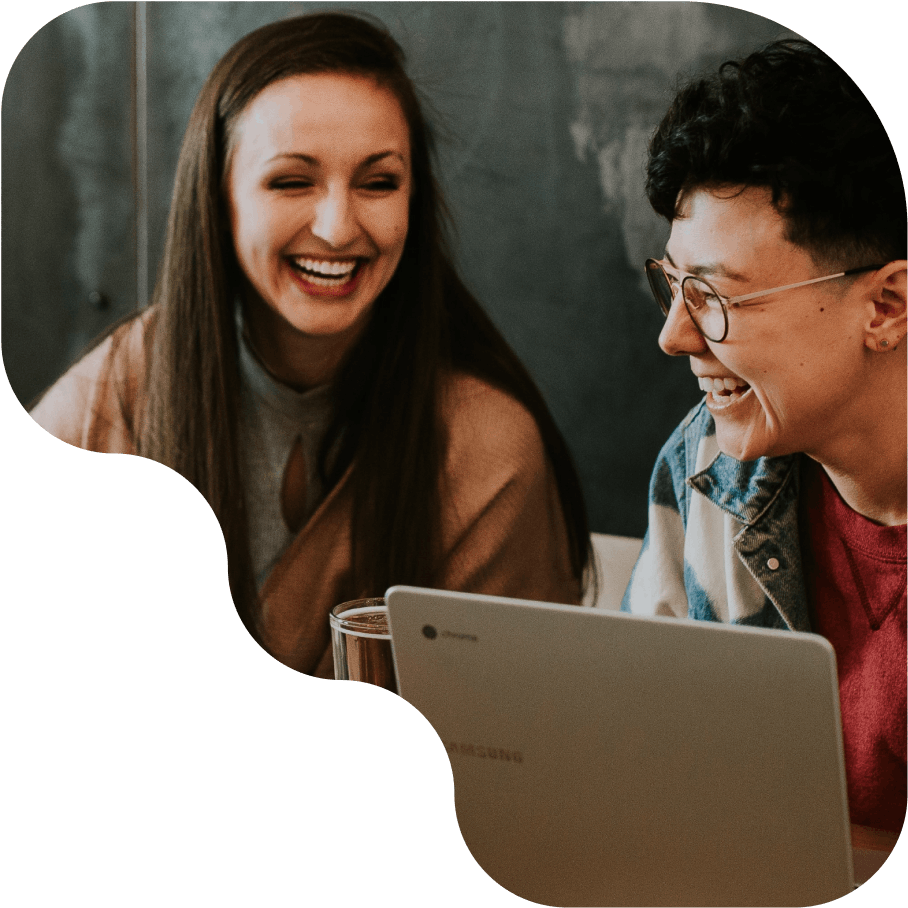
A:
[855,574]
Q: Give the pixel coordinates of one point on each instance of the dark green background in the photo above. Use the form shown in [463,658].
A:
[543,109]
[152,755]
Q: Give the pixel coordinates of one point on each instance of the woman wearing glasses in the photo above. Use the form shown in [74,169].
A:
[781,499]
[313,364]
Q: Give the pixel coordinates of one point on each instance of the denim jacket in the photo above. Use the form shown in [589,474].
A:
[722,543]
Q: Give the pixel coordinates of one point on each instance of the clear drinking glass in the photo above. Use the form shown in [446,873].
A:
[361,639]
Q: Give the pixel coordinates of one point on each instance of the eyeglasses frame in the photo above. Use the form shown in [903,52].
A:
[735,302]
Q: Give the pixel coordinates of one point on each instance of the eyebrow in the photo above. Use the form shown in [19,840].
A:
[711,269]
[309,159]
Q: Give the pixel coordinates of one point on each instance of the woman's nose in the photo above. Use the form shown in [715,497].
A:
[334,220]
[679,335]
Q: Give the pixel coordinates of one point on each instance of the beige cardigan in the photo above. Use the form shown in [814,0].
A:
[503,531]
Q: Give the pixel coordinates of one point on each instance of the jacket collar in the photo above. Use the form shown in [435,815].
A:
[746,490]
[763,495]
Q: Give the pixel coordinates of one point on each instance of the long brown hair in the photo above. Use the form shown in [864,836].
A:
[424,324]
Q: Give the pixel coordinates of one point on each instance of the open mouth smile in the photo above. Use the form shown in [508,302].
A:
[327,276]
[722,392]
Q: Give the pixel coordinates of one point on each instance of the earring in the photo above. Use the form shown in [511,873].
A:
[884,343]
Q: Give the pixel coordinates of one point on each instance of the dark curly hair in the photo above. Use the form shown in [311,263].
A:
[790,119]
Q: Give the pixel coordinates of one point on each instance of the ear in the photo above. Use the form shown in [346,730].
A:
[888,310]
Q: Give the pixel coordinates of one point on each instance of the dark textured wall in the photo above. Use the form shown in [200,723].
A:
[68,222]
[544,111]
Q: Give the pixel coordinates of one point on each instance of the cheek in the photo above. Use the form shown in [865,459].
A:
[789,395]
[254,221]
[257,252]
[391,227]
[243,228]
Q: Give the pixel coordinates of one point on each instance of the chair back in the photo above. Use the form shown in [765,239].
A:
[615,560]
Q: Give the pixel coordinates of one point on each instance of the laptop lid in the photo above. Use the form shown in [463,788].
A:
[601,758]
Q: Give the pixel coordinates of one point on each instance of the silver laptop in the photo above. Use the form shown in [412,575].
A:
[607,759]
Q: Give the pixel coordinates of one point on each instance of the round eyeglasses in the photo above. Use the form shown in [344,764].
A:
[707,308]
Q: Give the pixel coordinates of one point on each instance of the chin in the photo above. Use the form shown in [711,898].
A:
[742,444]
[749,432]
[749,448]
[328,321]
[738,453]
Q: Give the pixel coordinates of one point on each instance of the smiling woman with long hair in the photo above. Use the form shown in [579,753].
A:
[313,364]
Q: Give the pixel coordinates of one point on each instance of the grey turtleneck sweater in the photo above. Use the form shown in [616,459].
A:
[273,417]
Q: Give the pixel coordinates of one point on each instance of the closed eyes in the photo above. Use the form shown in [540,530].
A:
[384,183]
[379,184]
[290,183]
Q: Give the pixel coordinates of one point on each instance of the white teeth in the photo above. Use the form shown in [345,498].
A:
[314,281]
[720,402]
[719,385]
[328,269]
[722,392]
